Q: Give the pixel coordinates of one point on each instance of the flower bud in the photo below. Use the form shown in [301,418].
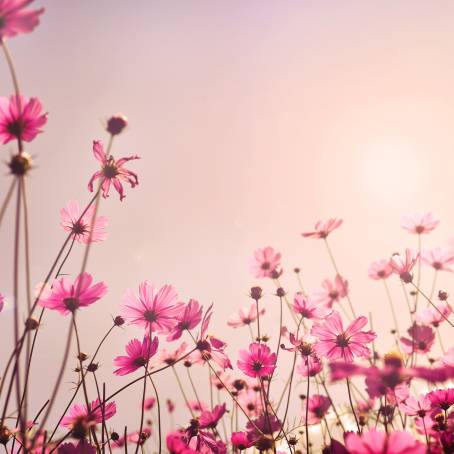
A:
[256,293]
[443,295]
[82,356]
[119,320]
[116,124]
[31,324]
[20,164]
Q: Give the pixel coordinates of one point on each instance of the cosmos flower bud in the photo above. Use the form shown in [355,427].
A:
[82,356]
[20,164]
[92,367]
[256,293]
[443,295]
[280,292]
[116,124]
[31,324]
[119,320]
[264,443]
[114,436]
[5,435]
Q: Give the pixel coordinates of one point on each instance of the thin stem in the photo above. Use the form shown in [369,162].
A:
[434,284]
[185,397]
[193,386]
[307,407]
[351,404]
[7,199]
[391,305]
[158,405]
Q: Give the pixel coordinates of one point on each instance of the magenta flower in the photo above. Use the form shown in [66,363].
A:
[153,310]
[421,339]
[210,419]
[337,343]
[308,308]
[176,445]
[80,227]
[66,297]
[439,258]
[89,416]
[83,447]
[332,292]
[258,361]
[186,319]
[375,442]
[15,18]
[381,269]
[20,118]
[138,355]
[244,317]
[318,407]
[149,403]
[323,228]
[112,172]
[240,440]
[265,262]
[402,266]
[416,406]
[441,398]
[419,223]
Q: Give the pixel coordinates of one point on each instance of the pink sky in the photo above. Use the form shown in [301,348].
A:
[253,119]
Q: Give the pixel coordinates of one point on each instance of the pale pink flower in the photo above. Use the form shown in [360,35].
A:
[439,258]
[112,172]
[310,365]
[15,18]
[265,262]
[402,266]
[416,406]
[323,228]
[332,291]
[186,319]
[375,442]
[66,297]
[80,227]
[251,402]
[318,406]
[335,342]
[89,416]
[381,269]
[419,223]
[155,310]
[258,361]
[171,357]
[245,316]
[434,316]
[20,118]
[308,308]
[138,355]
[421,339]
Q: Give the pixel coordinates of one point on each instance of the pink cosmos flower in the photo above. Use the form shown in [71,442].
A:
[337,343]
[402,266]
[71,221]
[258,361]
[434,316]
[419,223]
[138,355]
[112,172]
[186,319]
[310,365]
[171,357]
[16,18]
[441,398]
[332,292]
[416,406]
[244,317]
[421,339]
[308,308]
[176,445]
[251,402]
[66,297]
[89,416]
[318,408]
[323,228]
[210,419]
[20,118]
[376,442]
[265,262]
[439,258]
[240,440]
[83,447]
[153,310]
[381,269]
[149,403]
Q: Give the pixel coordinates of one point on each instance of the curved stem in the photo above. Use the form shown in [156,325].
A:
[158,405]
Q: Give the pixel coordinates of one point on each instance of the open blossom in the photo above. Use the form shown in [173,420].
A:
[416,406]
[376,442]
[154,310]
[244,317]
[439,258]
[441,398]
[66,297]
[318,407]
[240,441]
[421,339]
[381,269]
[434,315]
[308,308]
[258,361]
[335,342]
[402,266]
[20,118]
[112,172]
[89,416]
[419,223]
[171,357]
[79,225]
[209,419]
[251,402]
[138,355]
[265,262]
[332,291]
[16,18]
[323,228]
[186,319]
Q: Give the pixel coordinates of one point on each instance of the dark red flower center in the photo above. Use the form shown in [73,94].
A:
[140,361]
[150,316]
[71,303]
[419,229]
[266,265]
[422,345]
[334,295]
[342,340]
[110,170]
[16,127]
[257,366]
[79,228]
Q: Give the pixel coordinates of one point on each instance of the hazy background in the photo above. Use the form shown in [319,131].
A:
[253,120]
